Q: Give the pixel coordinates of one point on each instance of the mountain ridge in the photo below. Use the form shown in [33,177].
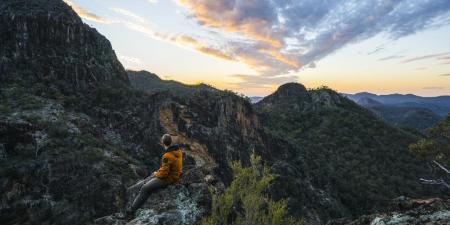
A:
[403,116]
[438,104]
[41,43]
[338,136]
[75,132]
[151,83]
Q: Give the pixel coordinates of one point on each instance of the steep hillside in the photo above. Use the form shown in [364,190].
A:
[351,154]
[151,83]
[402,116]
[74,133]
[45,41]
[55,157]
[368,102]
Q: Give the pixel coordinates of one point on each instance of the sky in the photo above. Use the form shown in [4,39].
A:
[253,46]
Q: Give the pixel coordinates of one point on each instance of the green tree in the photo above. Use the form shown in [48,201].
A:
[435,147]
[244,201]
[436,144]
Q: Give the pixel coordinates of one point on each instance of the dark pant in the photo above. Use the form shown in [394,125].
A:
[146,189]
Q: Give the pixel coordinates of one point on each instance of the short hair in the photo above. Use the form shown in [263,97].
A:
[166,139]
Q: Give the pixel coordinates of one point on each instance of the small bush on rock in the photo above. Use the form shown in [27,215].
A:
[244,201]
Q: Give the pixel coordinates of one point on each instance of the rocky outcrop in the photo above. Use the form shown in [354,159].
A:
[406,211]
[185,202]
[45,41]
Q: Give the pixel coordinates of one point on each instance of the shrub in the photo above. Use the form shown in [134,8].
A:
[244,201]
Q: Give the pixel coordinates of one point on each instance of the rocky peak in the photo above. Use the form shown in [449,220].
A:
[293,94]
[291,90]
[50,8]
[45,41]
[295,97]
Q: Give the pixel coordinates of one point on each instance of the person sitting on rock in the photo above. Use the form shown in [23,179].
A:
[168,173]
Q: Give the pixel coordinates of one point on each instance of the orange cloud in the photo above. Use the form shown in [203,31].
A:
[275,54]
[83,13]
[190,41]
[222,15]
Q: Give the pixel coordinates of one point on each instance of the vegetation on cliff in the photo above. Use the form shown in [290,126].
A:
[349,152]
[435,147]
[244,202]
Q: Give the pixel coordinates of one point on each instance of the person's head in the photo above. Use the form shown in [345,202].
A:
[166,140]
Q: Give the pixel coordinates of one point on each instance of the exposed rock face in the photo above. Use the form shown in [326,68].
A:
[54,170]
[45,41]
[222,127]
[406,211]
[185,202]
[74,135]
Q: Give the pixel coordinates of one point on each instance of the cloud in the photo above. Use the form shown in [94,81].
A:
[276,37]
[180,40]
[445,74]
[425,57]
[133,16]
[444,58]
[256,81]
[195,44]
[153,1]
[83,13]
[146,30]
[433,88]
[390,57]
[254,18]
[129,59]
[376,50]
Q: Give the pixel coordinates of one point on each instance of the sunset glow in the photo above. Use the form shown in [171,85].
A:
[351,46]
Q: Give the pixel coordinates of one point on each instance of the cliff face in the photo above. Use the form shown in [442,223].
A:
[74,134]
[45,41]
[222,127]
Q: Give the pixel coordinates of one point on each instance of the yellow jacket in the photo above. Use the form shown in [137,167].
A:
[171,165]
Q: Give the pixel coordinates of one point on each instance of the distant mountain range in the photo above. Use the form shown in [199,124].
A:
[405,110]
[402,116]
[256,99]
[439,105]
